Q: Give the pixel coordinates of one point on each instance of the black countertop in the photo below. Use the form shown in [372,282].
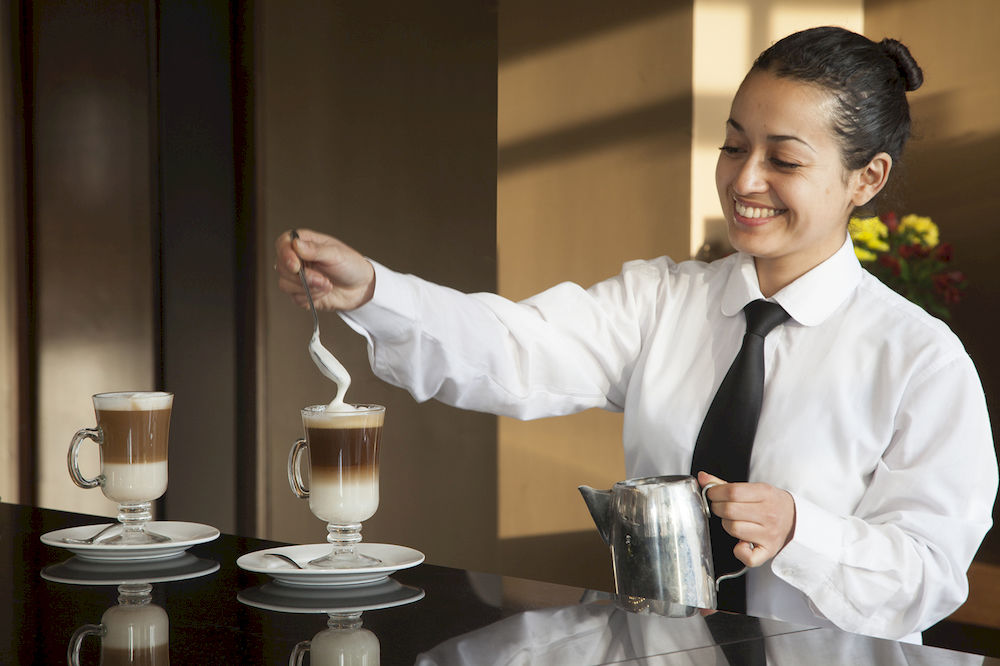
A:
[452,617]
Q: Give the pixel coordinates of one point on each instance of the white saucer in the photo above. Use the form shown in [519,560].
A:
[387,593]
[81,571]
[393,559]
[182,536]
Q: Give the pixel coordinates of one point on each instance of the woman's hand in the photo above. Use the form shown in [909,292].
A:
[339,277]
[761,516]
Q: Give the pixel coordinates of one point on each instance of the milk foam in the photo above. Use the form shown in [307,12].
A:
[332,369]
[343,500]
[336,647]
[135,627]
[134,400]
[318,416]
[135,482]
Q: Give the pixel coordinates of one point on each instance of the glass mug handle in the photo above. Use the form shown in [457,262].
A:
[704,501]
[76,641]
[74,452]
[295,470]
[298,653]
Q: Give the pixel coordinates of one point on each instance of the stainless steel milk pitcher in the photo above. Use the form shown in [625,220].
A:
[657,528]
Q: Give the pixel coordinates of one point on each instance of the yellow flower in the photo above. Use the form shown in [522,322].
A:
[871,234]
[922,229]
[864,255]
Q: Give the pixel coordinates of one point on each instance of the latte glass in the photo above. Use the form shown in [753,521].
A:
[342,449]
[135,631]
[342,643]
[132,432]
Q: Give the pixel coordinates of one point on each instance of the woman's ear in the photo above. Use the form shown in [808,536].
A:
[870,179]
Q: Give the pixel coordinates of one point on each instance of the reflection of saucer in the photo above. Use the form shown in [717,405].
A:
[343,599]
[81,571]
[182,536]
[393,558]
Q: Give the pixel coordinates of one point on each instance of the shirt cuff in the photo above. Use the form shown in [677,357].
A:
[391,311]
[808,562]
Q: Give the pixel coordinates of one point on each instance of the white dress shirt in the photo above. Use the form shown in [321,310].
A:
[873,416]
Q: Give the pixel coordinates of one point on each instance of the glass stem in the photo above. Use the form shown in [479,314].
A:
[343,537]
[133,515]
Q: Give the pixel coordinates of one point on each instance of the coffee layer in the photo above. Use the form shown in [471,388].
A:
[333,449]
[134,436]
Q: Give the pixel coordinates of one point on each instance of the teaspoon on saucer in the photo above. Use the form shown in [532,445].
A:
[286,559]
[92,539]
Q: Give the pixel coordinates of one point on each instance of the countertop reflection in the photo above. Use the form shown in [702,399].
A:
[217,613]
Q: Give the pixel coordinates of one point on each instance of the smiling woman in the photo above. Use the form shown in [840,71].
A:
[872,472]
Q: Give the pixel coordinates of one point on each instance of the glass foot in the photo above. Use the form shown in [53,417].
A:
[349,559]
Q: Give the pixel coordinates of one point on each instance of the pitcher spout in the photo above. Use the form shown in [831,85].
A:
[599,503]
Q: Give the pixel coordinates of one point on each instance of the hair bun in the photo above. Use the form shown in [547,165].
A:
[912,75]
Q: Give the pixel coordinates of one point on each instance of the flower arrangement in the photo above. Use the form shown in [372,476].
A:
[907,255]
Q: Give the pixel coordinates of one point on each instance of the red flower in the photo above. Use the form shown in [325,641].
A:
[891,221]
[912,250]
[946,286]
[944,252]
[890,262]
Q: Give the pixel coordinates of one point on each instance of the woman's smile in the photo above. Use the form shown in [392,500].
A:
[754,214]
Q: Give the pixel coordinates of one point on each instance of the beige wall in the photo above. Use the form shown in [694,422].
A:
[92,210]
[377,124]
[951,170]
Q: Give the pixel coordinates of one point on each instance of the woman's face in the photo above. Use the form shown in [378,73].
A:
[784,191]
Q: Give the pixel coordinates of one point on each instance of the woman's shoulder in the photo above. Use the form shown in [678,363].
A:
[666,268]
[902,321]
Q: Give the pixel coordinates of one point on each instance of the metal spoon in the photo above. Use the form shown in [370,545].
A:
[327,363]
[287,559]
[91,540]
[305,285]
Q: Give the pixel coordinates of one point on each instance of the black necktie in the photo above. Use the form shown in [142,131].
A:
[726,437]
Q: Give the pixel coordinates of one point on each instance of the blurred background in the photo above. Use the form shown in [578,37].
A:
[151,151]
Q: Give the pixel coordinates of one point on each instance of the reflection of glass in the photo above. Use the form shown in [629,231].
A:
[136,631]
[343,451]
[344,642]
[132,433]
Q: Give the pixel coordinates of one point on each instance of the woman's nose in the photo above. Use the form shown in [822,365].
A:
[750,178]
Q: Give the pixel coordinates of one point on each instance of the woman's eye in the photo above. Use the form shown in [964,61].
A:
[729,150]
[782,164]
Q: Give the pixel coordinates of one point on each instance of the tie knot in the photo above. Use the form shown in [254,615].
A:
[763,316]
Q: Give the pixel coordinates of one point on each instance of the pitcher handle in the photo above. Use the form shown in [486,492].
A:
[704,501]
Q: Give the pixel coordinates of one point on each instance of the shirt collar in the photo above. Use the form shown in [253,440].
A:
[810,299]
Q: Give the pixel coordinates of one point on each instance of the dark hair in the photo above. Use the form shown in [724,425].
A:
[868,81]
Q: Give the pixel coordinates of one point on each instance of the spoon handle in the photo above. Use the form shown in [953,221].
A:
[90,540]
[287,559]
[305,285]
